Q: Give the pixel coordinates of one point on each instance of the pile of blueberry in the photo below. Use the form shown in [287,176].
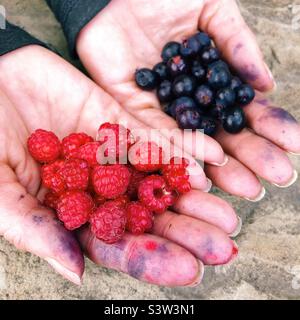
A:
[196,87]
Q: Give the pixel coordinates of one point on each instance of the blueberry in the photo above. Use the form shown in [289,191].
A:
[190,47]
[217,111]
[245,94]
[180,104]
[234,120]
[235,83]
[162,70]
[209,126]
[177,66]
[204,96]
[218,77]
[198,71]
[184,85]
[210,55]
[219,64]
[204,39]
[146,79]
[164,91]
[227,96]
[189,119]
[170,50]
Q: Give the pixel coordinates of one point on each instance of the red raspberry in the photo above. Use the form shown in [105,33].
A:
[117,140]
[139,218]
[122,201]
[176,175]
[44,146]
[88,152]
[73,142]
[75,173]
[136,178]
[74,208]
[110,181]
[51,200]
[146,156]
[99,200]
[155,194]
[51,177]
[108,222]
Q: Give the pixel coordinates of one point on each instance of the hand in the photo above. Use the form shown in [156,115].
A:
[130,34]
[41,90]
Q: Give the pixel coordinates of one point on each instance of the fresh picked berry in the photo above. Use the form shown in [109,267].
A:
[146,79]
[139,218]
[209,55]
[51,200]
[44,146]
[190,47]
[108,222]
[74,208]
[88,152]
[209,126]
[217,111]
[170,50]
[73,142]
[245,94]
[198,71]
[177,66]
[204,39]
[164,91]
[218,77]
[227,96]
[189,119]
[234,120]
[204,96]
[110,181]
[235,83]
[51,177]
[162,70]
[184,86]
[122,201]
[179,105]
[135,180]
[155,194]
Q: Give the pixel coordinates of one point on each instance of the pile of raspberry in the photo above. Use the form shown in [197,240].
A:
[85,188]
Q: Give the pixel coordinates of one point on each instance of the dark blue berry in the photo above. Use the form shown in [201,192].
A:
[164,91]
[190,47]
[217,111]
[198,71]
[189,119]
[177,66]
[234,120]
[184,86]
[204,39]
[218,77]
[180,104]
[162,70]
[235,83]
[245,94]
[204,96]
[170,50]
[209,126]
[210,55]
[227,96]
[146,79]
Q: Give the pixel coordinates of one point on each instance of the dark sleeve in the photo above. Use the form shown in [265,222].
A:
[13,37]
[74,15]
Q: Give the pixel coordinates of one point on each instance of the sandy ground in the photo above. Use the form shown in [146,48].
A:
[268,266]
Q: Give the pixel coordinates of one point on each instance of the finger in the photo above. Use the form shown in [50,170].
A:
[275,124]
[207,242]
[237,42]
[208,208]
[236,179]
[147,258]
[260,155]
[33,228]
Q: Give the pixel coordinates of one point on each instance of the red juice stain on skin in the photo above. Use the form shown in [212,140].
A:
[151,245]
[235,251]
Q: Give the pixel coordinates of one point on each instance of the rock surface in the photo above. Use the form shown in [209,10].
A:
[268,266]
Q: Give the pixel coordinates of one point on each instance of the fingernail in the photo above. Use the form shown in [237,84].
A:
[291,182]
[73,277]
[259,197]
[270,74]
[294,154]
[199,276]
[226,159]
[209,186]
[238,229]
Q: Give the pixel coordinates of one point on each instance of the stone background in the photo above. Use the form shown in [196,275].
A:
[269,260]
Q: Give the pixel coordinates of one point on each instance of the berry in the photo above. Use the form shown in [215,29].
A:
[135,179]
[99,200]
[51,200]
[122,201]
[245,94]
[204,96]
[198,71]
[146,79]
[44,146]
[139,218]
[154,193]
[51,177]
[234,120]
[74,209]
[204,39]
[190,47]
[75,173]
[218,76]
[164,91]
[176,175]
[170,50]
[209,126]
[184,86]
[73,142]
[179,105]
[189,119]
[88,152]
[217,110]
[235,83]
[162,70]
[108,222]
[226,96]
[210,55]
[110,181]
[146,156]
[177,66]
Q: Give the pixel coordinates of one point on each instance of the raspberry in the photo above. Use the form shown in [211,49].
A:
[44,146]
[139,218]
[74,208]
[136,178]
[154,193]
[99,200]
[51,200]
[176,175]
[75,173]
[73,142]
[110,181]
[51,177]
[108,222]
[122,201]
[88,152]
[146,156]
[117,140]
